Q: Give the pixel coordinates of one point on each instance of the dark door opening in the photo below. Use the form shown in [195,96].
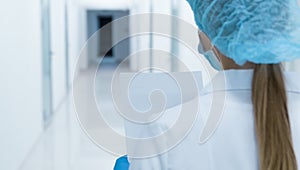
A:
[106,45]
[105,38]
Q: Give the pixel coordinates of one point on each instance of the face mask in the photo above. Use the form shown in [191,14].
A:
[211,57]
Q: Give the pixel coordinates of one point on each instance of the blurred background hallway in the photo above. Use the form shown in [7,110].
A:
[40,42]
[63,145]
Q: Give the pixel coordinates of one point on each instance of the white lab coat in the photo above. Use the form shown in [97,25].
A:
[232,146]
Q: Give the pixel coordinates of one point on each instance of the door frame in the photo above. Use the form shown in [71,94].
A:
[46,63]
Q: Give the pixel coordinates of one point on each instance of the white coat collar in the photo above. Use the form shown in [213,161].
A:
[232,80]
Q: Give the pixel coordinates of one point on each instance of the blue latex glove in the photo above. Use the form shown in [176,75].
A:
[122,163]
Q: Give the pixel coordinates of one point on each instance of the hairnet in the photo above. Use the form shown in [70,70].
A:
[258,31]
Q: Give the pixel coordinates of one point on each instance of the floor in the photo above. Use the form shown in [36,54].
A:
[64,145]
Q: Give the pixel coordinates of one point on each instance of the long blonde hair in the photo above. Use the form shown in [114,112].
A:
[272,122]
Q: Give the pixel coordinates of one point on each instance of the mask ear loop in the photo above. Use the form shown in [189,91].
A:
[204,40]
[217,54]
[212,54]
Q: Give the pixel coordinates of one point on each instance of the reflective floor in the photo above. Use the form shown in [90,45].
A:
[64,145]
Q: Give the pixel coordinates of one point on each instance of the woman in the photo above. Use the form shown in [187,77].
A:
[260,128]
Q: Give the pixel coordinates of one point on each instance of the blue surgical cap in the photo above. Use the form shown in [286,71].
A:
[259,31]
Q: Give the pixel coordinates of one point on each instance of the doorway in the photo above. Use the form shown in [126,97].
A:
[104,44]
[106,39]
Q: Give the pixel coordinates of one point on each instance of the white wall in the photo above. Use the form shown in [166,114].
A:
[74,35]
[191,61]
[139,43]
[143,43]
[21,80]
[21,120]
[160,42]
[58,48]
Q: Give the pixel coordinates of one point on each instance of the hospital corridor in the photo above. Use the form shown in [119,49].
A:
[64,145]
[74,74]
